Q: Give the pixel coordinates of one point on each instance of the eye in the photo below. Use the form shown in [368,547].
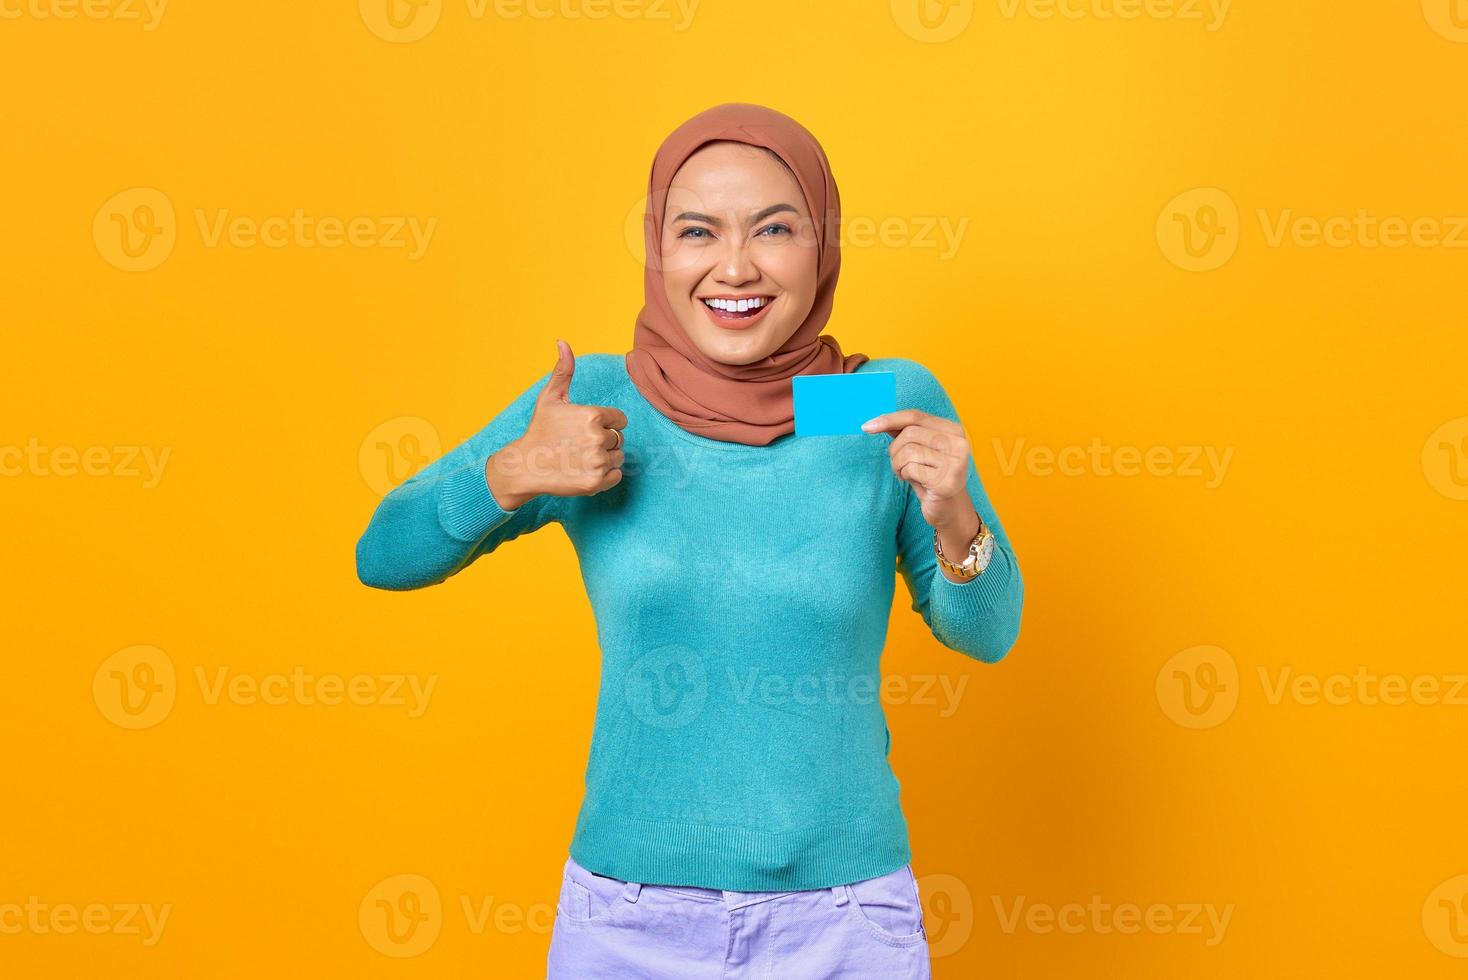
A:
[695,232]
[775,231]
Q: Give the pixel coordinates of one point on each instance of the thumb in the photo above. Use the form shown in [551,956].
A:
[558,388]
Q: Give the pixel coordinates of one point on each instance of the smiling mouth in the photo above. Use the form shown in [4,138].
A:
[736,311]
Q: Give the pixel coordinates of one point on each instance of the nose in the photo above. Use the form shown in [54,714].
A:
[735,266]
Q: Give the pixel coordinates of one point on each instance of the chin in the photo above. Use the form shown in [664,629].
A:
[732,345]
[735,350]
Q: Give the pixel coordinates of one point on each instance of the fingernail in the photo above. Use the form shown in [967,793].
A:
[869,425]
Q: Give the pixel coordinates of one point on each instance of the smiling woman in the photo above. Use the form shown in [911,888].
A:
[741,818]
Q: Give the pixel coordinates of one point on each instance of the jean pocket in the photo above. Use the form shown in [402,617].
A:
[586,897]
[890,907]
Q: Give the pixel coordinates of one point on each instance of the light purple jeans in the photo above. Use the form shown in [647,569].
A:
[609,929]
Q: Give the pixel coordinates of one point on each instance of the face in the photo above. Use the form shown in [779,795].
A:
[738,252]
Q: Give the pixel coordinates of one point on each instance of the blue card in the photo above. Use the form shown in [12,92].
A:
[837,404]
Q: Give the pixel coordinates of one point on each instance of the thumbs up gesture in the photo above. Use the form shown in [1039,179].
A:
[568,450]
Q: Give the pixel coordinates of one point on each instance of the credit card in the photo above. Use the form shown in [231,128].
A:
[837,404]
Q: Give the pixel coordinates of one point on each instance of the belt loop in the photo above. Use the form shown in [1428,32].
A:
[839,893]
[631,891]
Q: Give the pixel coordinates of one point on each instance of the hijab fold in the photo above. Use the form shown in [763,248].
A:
[745,403]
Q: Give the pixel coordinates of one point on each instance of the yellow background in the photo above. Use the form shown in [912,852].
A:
[274,377]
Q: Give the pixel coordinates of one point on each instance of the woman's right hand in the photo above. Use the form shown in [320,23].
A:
[566,450]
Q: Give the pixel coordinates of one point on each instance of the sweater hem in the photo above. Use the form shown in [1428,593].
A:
[738,858]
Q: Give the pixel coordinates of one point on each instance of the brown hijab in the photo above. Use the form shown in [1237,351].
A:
[746,403]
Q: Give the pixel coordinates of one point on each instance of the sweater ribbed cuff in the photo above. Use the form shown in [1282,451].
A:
[966,601]
[466,508]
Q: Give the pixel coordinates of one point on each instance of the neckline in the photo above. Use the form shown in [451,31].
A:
[788,438]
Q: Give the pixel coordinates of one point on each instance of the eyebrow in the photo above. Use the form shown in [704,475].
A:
[756,219]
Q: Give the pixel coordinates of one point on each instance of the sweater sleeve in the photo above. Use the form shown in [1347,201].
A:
[444,516]
[980,617]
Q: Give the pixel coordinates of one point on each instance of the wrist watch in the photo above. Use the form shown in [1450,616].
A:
[980,550]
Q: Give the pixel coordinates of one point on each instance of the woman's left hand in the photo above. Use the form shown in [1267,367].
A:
[931,454]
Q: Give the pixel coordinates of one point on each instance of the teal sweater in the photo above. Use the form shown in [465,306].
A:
[741,596]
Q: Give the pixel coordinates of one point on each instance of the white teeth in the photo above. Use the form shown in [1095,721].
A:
[737,306]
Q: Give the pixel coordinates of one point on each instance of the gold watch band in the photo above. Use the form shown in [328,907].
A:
[972,567]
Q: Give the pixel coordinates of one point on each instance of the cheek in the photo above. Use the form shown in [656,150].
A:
[678,279]
[681,269]
[794,268]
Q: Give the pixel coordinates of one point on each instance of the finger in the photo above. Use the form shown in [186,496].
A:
[558,388]
[612,439]
[912,452]
[942,442]
[923,476]
[911,416]
[612,478]
[611,418]
[892,421]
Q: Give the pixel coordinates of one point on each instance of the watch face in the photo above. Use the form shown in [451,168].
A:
[979,551]
[986,551]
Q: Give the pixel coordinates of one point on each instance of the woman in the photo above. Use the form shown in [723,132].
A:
[740,817]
